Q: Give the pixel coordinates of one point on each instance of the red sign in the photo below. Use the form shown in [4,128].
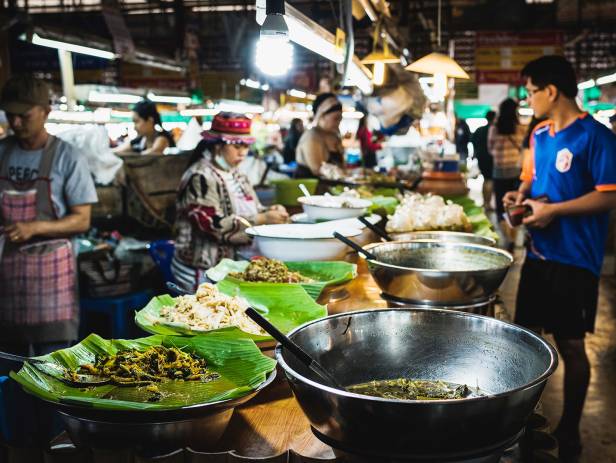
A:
[500,56]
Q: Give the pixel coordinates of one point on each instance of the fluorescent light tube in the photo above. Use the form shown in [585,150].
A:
[169,99]
[97,97]
[303,35]
[38,40]
[358,78]
[586,84]
[297,93]
[199,112]
[606,79]
[239,107]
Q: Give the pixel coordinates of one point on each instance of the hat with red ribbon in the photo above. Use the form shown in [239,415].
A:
[230,128]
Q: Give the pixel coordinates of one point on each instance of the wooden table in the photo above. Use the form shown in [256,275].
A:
[273,421]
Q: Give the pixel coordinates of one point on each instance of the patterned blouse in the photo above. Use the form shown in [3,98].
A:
[209,202]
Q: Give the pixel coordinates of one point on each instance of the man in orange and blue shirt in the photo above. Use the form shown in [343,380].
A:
[573,163]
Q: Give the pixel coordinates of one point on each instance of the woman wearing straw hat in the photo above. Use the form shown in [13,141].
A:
[216,203]
[322,143]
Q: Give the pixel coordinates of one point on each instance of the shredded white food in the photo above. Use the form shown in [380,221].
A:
[209,309]
[417,212]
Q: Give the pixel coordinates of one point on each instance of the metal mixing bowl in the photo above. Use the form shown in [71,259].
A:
[196,426]
[438,272]
[508,362]
[448,236]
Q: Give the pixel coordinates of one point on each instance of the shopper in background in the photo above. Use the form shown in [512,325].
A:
[479,139]
[151,138]
[292,139]
[462,138]
[573,163]
[216,203]
[505,145]
[368,145]
[46,193]
[322,143]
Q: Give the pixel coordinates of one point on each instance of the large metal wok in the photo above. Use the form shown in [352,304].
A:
[508,362]
[196,426]
[438,272]
[449,236]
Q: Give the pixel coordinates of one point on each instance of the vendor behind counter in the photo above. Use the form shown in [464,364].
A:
[322,143]
[151,137]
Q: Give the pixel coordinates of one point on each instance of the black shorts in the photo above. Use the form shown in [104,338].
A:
[560,298]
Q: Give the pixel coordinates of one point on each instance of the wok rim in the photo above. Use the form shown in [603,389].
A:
[347,233]
[482,247]
[445,232]
[542,378]
[302,200]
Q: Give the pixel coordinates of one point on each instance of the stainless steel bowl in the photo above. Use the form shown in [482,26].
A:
[448,236]
[437,272]
[508,362]
[196,426]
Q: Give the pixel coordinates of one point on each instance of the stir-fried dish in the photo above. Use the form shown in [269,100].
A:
[156,364]
[209,309]
[270,271]
[409,389]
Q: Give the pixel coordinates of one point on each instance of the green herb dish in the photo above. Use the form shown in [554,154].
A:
[237,366]
[321,274]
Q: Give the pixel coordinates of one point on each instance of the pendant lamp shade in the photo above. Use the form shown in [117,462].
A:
[437,63]
[384,56]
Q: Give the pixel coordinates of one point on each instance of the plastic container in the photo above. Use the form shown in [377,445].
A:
[287,191]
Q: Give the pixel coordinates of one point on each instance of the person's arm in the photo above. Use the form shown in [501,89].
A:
[591,203]
[491,139]
[315,154]
[159,145]
[77,221]
[124,148]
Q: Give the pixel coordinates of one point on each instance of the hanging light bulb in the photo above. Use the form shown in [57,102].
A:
[274,53]
[378,75]
[379,58]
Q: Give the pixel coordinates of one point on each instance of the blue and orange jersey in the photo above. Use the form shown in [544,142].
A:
[565,165]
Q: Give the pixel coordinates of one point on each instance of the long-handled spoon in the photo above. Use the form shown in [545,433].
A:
[304,190]
[374,228]
[355,246]
[297,351]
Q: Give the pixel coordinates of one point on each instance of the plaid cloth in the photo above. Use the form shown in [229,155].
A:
[37,283]
[19,206]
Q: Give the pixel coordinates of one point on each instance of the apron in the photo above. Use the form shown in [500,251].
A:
[37,279]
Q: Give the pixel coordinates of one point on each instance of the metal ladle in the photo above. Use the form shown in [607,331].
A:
[297,351]
[53,369]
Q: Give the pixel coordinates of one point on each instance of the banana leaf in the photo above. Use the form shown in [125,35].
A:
[239,362]
[323,273]
[475,213]
[286,307]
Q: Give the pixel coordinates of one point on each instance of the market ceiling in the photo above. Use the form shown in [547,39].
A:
[226,27]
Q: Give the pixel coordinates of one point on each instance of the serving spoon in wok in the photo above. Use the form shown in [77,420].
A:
[355,246]
[380,232]
[297,351]
[58,372]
